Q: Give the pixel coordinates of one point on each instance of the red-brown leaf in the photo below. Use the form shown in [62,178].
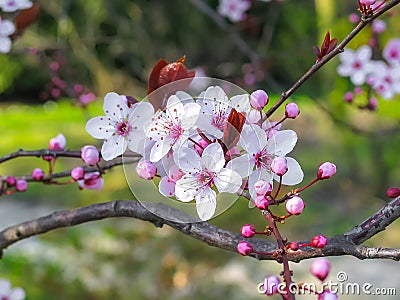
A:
[233,128]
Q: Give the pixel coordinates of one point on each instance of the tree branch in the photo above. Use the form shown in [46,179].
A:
[338,245]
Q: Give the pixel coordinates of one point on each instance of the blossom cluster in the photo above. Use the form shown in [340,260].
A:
[201,145]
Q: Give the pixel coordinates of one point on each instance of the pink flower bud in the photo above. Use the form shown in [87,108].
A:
[248,230]
[354,18]
[327,295]
[294,246]
[367,2]
[292,110]
[258,99]
[378,26]
[263,188]
[261,202]
[326,170]
[319,241]
[373,104]
[270,285]
[202,144]
[348,97]
[295,205]
[279,166]
[393,192]
[244,248]
[91,181]
[11,181]
[358,90]
[78,88]
[21,185]
[58,143]
[90,155]
[320,268]
[85,99]
[146,170]
[37,174]
[77,173]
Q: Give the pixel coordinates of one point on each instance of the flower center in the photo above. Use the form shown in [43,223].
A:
[123,128]
[394,53]
[5,298]
[176,131]
[219,120]
[206,178]
[357,65]
[11,3]
[263,159]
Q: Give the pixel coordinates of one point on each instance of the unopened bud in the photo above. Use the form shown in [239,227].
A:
[320,268]
[263,188]
[248,230]
[77,173]
[393,192]
[319,241]
[279,166]
[146,170]
[244,248]
[295,205]
[90,155]
[258,99]
[326,170]
[261,202]
[21,185]
[37,174]
[292,110]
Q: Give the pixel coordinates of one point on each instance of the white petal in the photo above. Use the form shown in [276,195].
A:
[241,103]
[212,158]
[345,70]
[190,115]
[347,56]
[115,106]
[17,294]
[5,286]
[364,53]
[358,78]
[100,127]
[243,165]
[160,149]
[174,108]
[5,44]
[113,146]
[253,139]
[204,123]
[142,112]
[184,97]
[187,159]
[216,93]
[6,28]
[294,175]
[282,142]
[206,202]
[186,188]
[136,141]
[166,187]
[228,181]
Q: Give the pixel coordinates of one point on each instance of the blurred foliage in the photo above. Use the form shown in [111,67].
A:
[112,45]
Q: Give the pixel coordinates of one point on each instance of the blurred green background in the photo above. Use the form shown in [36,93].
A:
[112,46]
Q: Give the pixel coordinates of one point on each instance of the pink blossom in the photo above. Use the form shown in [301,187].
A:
[354,18]
[8,293]
[11,181]
[200,146]
[90,155]
[279,166]
[326,170]
[320,268]
[263,188]
[378,26]
[355,64]
[21,185]
[367,2]
[258,99]
[85,99]
[91,181]
[348,97]
[37,174]
[146,170]
[77,173]
[248,230]
[234,9]
[319,241]
[292,110]
[271,284]
[167,184]
[391,52]
[373,104]
[295,205]
[244,248]
[58,142]
[393,192]
[261,202]
[14,5]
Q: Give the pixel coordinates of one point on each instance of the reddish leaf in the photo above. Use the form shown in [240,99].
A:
[233,128]
[26,18]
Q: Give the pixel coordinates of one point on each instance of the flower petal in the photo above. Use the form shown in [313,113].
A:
[294,175]
[100,127]
[6,28]
[228,181]
[187,159]
[160,149]
[166,187]
[142,112]
[282,142]
[113,146]
[364,53]
[212,158]
[5,44]
[243,165]
[174,109]
[258,174]
[253,139]
[186,188]
[241,103]
[190,115]
[115,106]
[17,294]
[206,202]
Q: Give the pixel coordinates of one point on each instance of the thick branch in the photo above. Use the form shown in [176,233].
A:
[209,234]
